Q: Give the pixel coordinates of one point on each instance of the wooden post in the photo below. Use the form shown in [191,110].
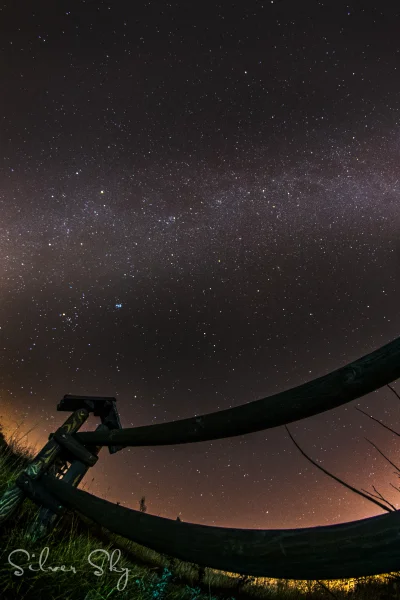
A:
[14,495]
[46,518]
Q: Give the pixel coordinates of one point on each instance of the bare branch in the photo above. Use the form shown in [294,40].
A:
[378,496]
[393,390]
[348,486]
[380,452]
[382,498]
[367,492]
[380,422]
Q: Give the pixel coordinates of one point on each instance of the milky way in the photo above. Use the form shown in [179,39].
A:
[190,224]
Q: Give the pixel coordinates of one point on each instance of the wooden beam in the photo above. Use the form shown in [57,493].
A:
[356,379]
[359,548]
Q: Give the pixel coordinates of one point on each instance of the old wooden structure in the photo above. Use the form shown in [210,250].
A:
[367,547]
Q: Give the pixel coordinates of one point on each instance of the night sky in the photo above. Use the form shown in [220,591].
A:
[200,207]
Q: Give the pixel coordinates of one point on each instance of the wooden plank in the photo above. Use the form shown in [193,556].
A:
[356,379]
[359,548]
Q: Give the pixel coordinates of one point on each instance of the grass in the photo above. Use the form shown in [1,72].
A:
[143,574]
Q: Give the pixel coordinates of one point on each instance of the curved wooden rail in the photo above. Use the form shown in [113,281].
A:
[356,379]
[367,547]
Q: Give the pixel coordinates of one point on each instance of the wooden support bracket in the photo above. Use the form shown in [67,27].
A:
[75,448]
[35,491]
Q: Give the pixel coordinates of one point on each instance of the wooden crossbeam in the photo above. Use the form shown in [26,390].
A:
[359,548]
[356,379]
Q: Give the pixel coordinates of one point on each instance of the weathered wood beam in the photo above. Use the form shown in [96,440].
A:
[359,548]
[356,379]
[14,495]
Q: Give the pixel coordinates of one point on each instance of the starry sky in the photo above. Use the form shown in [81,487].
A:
[200,207]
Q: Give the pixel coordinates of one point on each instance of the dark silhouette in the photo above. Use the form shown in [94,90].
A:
[142,505]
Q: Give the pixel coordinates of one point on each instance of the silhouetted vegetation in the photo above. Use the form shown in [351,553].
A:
[150,575]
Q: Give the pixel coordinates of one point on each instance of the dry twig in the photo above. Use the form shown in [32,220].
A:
[347,485]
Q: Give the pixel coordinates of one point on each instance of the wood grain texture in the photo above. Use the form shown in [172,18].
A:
[47,519]
[14,495]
